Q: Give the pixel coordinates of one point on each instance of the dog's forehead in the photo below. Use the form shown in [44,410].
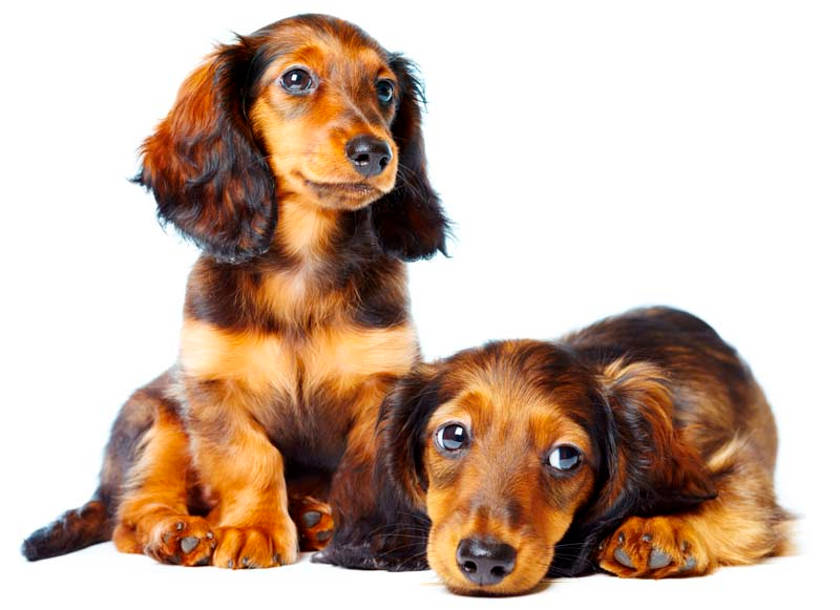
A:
[519,370]
[328,41]
[517,388]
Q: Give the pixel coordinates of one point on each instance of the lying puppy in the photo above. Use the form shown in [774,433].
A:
[294,158]
[641,444]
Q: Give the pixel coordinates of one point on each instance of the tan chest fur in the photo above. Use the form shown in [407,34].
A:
[335,357]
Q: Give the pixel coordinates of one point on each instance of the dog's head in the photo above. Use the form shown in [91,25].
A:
[309,107]
[523,458]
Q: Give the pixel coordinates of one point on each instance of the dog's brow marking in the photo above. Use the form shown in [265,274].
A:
[353,106]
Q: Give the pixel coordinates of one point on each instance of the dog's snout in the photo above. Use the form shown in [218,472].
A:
[368,155]
[485,561]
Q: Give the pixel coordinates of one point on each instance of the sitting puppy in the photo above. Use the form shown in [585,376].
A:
[294,158]
[641,444]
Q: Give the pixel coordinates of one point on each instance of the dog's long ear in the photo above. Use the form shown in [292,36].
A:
[205,165]
[409,221]
[646,469]
[403,418]
[393,535]
[651,469]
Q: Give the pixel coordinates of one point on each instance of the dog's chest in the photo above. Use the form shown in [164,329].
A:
[305,390]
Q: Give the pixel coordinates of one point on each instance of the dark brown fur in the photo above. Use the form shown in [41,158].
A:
[678,447]
[296,315]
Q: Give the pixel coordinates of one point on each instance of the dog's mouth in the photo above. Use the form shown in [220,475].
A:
[346,189]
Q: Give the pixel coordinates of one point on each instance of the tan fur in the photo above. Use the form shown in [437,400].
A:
[342,356]
[477,505]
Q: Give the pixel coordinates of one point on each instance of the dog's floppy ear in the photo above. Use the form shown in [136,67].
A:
[409,221]
[205,165]
[403,418]
[645,469]
[651,469]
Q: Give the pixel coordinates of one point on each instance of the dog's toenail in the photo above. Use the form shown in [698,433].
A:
[323,536]
[646,537]
[658,559]
[230,563]
[690,564]
[189,543]
[311,518]
[277,559]
[623,558]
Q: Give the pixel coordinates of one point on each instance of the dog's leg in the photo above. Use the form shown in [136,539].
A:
[152,517]
[375,529]
[741,526]
[245,475]
[252,516]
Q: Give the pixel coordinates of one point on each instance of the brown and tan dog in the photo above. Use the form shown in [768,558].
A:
[294,158]
[641,444]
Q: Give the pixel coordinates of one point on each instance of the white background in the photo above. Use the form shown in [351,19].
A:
[594,156]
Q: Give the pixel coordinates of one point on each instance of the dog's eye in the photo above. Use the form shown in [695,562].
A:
[451,437]
[297,81]
[385,91]
[564,458]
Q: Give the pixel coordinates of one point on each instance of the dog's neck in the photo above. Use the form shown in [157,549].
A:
[316,250]
[317,270]
[305,229]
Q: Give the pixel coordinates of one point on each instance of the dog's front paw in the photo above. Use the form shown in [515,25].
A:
[657,547]
[259,546]
[314,522]
[181,540]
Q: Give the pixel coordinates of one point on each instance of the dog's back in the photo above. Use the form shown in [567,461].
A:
[714,394]
[719,411]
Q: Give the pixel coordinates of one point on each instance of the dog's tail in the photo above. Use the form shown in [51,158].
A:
[74,530]
[94,522]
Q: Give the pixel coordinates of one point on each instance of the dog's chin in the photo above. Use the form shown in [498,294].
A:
[344,195]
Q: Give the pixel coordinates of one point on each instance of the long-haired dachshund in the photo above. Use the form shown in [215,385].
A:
[294,158]
[641,444]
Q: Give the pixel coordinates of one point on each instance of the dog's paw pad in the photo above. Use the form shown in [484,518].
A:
[623,558]
[658,559]
[311,518]
[189,543]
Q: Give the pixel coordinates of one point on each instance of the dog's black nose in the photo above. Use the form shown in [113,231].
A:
[368,155]
[485,561]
